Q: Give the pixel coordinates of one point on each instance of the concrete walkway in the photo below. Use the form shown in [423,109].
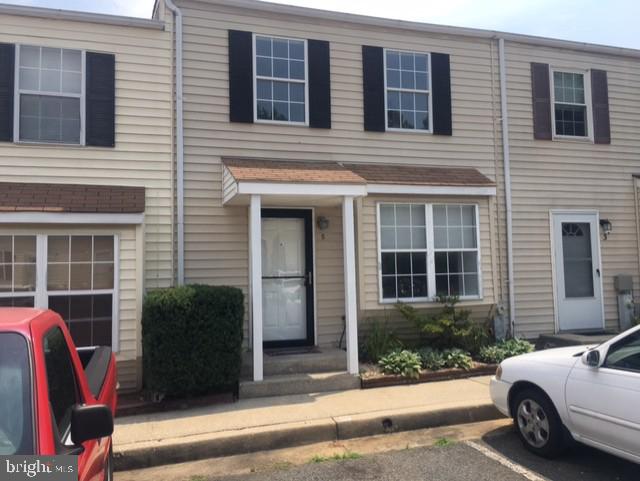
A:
[276,422]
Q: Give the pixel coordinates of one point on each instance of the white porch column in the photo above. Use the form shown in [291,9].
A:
[350,305]
[255,255]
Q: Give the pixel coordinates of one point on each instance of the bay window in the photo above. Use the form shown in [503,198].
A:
[428,250]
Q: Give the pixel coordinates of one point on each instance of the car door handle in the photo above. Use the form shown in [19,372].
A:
[309,278]
[598,272]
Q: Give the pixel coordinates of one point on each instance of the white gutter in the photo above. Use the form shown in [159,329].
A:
[58,14]
[177,15]
[507,182]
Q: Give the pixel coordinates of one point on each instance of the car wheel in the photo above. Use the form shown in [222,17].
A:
[538,424]
[108,469]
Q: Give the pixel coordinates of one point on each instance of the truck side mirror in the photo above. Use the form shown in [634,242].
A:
[90,422]
[591,358]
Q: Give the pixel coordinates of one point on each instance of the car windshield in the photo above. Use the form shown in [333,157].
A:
[16,425]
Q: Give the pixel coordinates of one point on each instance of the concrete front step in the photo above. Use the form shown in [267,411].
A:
[326,360]
[281,385]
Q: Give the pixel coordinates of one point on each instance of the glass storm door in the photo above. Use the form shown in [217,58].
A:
[287,277]
[577,271]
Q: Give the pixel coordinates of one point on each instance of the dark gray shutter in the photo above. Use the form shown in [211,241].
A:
[240,76]
[441,92]
[100,101]
[7,56]
[373,88]
[319,84]
[541,98]
[600,103]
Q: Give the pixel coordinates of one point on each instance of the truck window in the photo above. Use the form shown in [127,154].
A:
[63,392]
[16,415]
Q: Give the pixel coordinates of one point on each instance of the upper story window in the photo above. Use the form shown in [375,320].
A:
[407,89]
[570,104]
[49,94]
[280,79]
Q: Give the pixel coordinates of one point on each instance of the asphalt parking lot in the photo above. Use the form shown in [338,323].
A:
[496,457]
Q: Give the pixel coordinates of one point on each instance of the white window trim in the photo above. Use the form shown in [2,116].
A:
[428,92]
[42,293]
[257,77]
[587,98]
[16,100]
[430,250]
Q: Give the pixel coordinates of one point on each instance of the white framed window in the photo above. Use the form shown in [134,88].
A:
[570,97]
[428,250]
[74,275]
[407,77]
[280,80]
[49,95]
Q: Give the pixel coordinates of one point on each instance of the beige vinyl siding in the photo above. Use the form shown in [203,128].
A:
[216,235]
[571,175]
[128,294]
[370,299]
[142,155]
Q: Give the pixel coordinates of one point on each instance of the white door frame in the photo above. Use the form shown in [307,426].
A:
[597,248]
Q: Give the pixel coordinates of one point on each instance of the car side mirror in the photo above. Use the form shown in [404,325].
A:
[591,358]
[90,422]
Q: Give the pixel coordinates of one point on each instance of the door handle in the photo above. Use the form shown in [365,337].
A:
[309,278]
[598,272]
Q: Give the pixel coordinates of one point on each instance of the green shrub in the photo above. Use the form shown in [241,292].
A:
[192,339]
[449,328]
[497,353]
[401,362]
[380,340]
[433,359]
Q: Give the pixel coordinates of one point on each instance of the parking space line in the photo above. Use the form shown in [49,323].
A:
[516,468]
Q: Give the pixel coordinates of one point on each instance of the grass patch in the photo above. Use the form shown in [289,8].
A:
[197,478]
[442,442]
[336,457]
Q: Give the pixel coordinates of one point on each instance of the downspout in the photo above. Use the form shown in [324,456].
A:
[177,15]
[507,183]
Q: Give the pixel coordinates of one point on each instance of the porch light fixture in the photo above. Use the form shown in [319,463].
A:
[605,225]
[322,222]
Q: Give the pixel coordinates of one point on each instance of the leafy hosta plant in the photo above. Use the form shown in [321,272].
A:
[401,362]
[433,359]
[500,351]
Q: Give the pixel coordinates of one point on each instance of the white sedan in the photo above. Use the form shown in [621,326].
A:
[588,394]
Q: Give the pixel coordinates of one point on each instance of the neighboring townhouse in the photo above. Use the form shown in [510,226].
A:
[574,118]
[335,165]
[86,171]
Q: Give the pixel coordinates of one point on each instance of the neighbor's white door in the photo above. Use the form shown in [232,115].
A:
[283,279]
[577,270]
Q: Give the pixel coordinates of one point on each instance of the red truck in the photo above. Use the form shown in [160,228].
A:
[55,398]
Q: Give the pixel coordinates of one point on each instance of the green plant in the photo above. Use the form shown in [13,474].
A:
[401,362]
[336,457]
[192,339]
[502,350]
[443,442]
[380,340]
[433,359]
[448,328]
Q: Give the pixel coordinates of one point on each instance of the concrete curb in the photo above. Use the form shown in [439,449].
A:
[228,443]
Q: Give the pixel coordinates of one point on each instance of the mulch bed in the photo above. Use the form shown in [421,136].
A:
[378,379]
[137,403]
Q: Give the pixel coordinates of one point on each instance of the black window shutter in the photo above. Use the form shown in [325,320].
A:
[600,103]
[319,84]
[541,98]
[240,76]
[441,91]
[100,101]
[373,88]
[7,55]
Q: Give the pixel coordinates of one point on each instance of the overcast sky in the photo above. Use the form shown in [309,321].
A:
[610,22]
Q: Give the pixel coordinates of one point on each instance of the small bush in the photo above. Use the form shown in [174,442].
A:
[497,353]
[404,363]
[192,339]
[379,341]
[449,328]
[433,359]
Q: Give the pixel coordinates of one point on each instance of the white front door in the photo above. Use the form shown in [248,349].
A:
[577,271]
[286,278]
